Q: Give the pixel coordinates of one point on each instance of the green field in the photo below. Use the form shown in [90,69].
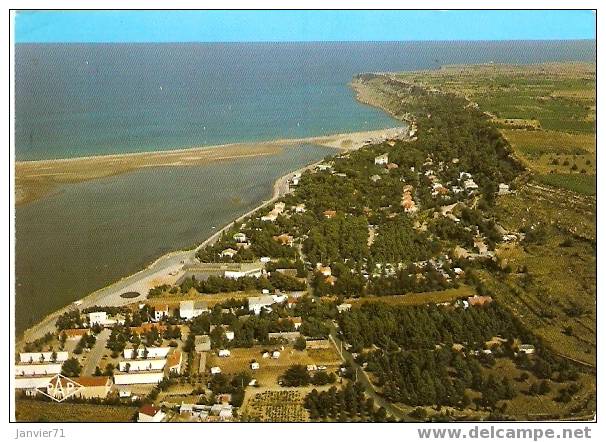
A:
[546,111]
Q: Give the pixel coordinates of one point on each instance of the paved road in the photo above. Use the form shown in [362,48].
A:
[94,356]
[362,377]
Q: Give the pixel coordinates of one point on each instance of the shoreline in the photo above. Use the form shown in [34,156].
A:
[162,266]
[39,178]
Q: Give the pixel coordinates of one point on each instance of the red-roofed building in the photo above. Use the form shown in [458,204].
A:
[150,413]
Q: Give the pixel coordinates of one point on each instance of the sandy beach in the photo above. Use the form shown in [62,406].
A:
[35,179]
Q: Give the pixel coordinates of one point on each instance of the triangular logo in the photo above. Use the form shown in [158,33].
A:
[60,387]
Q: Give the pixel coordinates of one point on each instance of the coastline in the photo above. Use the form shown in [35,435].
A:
[162,267]
[39,178]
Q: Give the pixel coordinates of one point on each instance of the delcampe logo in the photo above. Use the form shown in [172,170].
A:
[60,387]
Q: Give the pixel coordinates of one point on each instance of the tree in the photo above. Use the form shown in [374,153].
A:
[71,368]
[300,343]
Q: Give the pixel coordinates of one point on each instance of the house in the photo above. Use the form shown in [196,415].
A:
[480,301]
[297,321]
[299,208]
[275,354]
[503,189]
[330,280]
[312,367]
[215,370]
[229,335]
[526,349]
[284,239]
[343,307]
[270,217]
[146,327]
[254,365]
[329,214]
[325,271]
[150,413]
[258,303]
[240,237]
[381,160]
[160,313]
[470,184]
[228,253]
[173,363]
[191,309]
[73,334]
[224,353]
[124,393]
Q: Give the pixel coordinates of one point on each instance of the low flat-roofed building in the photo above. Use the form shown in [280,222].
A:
[135,365]
[44,356]
[202,271]
[202,343]
[289,336]
[37,369]
[191,309]
[141,377]
[258,303]
[147,352]
[30,383]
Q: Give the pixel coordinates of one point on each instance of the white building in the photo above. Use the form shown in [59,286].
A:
[150,413]
[44,356]
[152,352]
[229,253]
[215,370]
[503,189]
[229,335]
[258,303]
[240,237]
[254,269]
[224,353]
[381,159]
[141,377]
[99,318]
[37,369]
[160,313]
[254,365]
[191,309]
[134,365]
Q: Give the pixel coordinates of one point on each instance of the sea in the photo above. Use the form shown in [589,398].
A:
[76,100]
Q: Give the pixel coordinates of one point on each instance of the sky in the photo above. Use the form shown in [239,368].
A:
[272,26]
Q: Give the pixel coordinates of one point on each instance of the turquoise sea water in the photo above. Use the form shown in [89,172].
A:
[74,100]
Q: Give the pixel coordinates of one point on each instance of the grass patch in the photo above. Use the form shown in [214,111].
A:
[581,183]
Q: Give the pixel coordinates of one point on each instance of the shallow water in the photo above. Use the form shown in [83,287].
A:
[92,233]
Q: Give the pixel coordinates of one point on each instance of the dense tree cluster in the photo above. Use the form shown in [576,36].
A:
[347,404]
